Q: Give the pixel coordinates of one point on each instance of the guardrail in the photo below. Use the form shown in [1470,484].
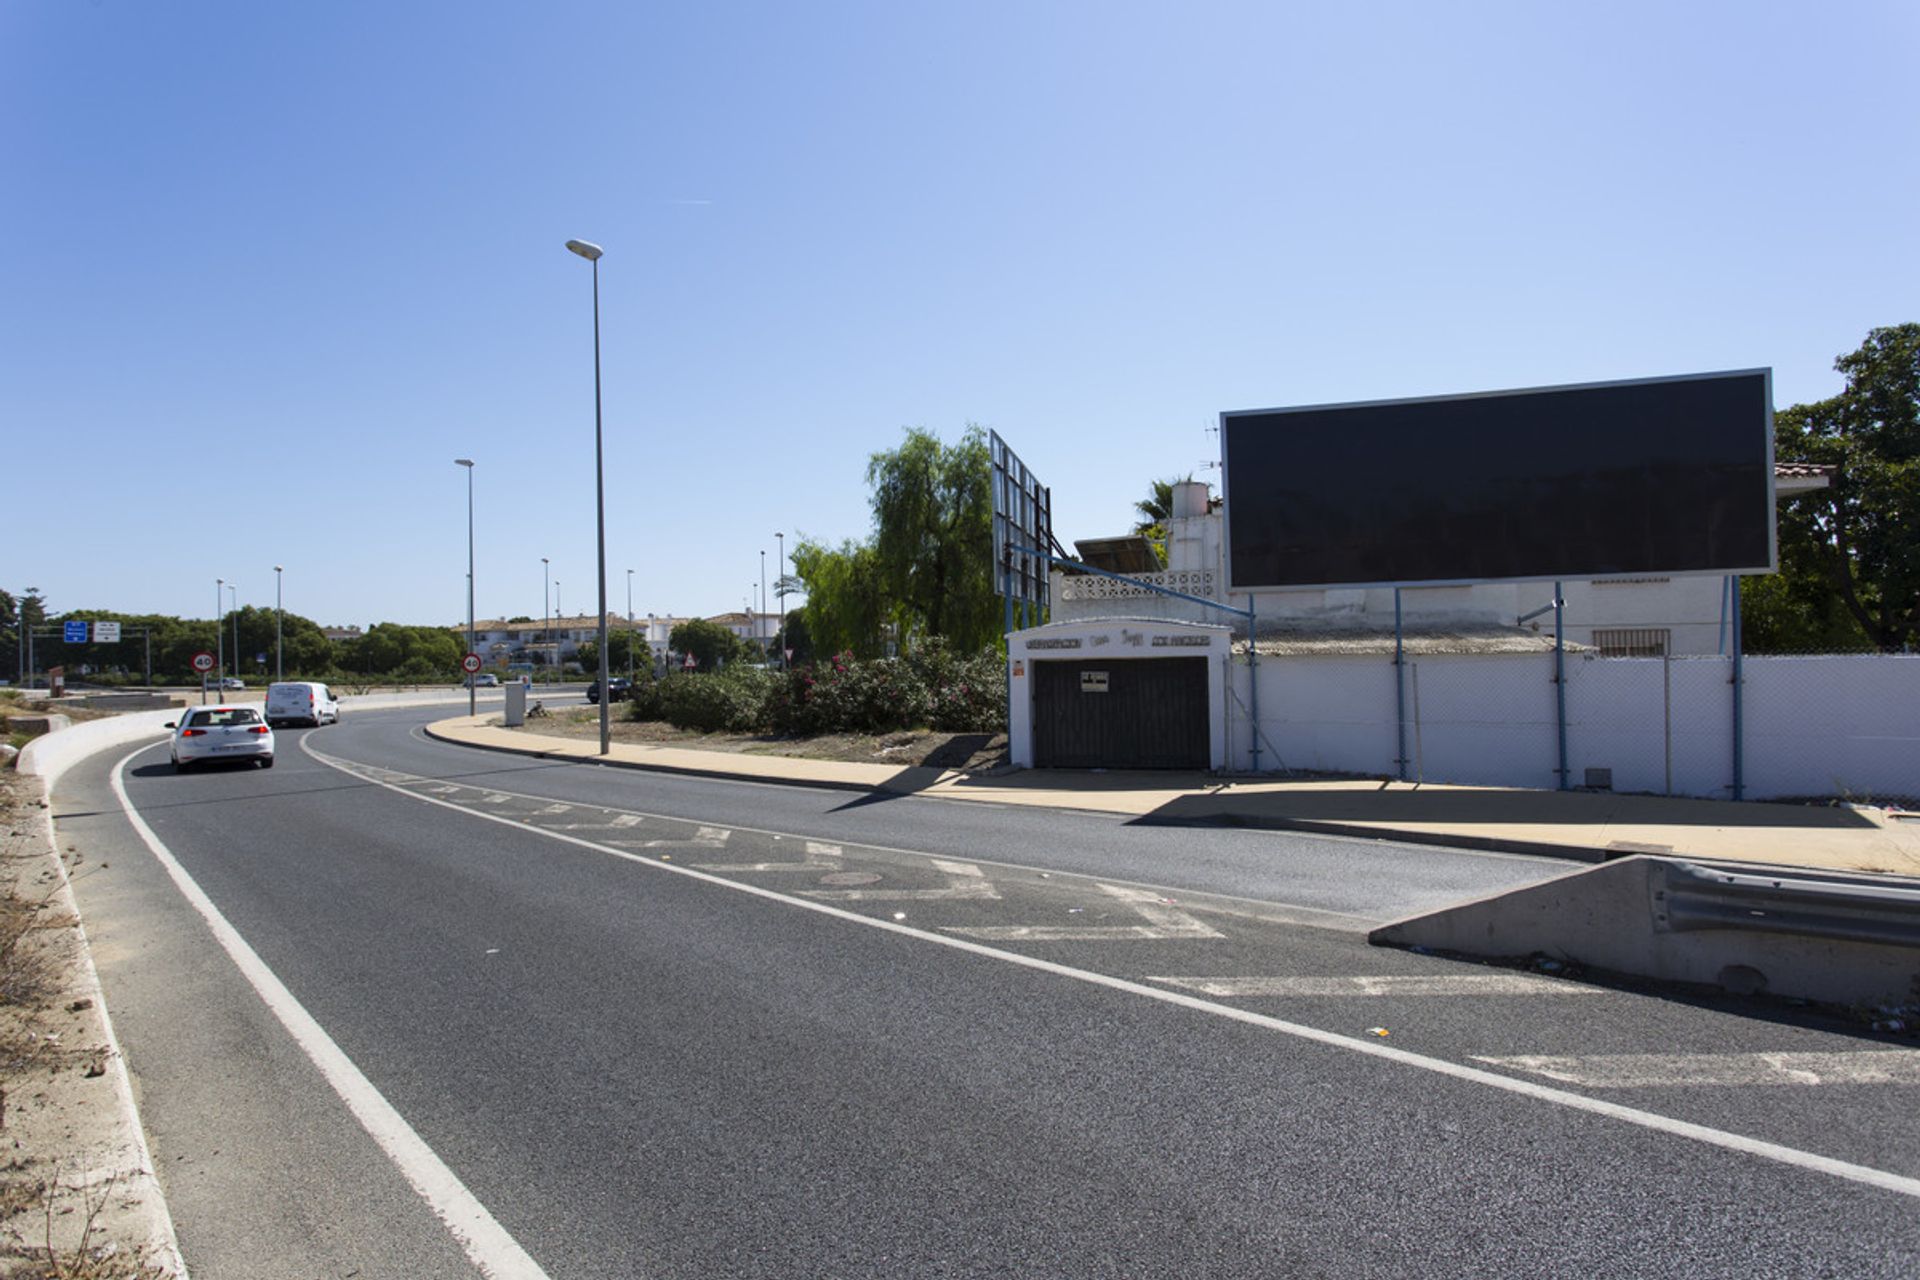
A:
[1688,897]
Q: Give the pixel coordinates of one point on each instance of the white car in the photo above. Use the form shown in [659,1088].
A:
[208,734]
[301,702]
[485,680]
[233,682]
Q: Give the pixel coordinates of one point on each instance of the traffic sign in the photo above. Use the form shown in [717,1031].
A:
[106,633]
[75,633]
[203,662]
[470,663]
[689,662]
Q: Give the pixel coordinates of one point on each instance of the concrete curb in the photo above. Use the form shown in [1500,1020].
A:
[684,771]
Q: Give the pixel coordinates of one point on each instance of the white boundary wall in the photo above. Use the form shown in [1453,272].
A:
[1841,725]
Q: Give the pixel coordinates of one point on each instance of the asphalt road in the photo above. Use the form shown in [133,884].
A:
[654,1026]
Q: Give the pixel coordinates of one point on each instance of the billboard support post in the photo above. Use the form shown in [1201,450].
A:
[1560,677]
[1400,681]
[1253,681]
[1739,745]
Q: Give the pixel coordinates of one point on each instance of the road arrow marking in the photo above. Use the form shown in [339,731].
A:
[964,880]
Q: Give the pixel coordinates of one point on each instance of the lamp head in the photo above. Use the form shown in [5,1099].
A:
[591,252]
[463,462]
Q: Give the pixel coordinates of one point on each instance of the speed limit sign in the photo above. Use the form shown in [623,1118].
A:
[470,663]
[203,662]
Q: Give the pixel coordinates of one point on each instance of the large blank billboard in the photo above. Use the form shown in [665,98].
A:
[1657,477]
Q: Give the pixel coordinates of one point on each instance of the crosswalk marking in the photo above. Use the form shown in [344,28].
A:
[1491,984]
[1164,922]
[1664,1070]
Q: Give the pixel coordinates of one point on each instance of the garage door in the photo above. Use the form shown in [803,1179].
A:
[1140,713]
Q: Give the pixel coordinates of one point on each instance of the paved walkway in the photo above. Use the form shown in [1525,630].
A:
[1590,826]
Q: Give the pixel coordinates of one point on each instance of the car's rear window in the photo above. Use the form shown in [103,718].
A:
[219,716]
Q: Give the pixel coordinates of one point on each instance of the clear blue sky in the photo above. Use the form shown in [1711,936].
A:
[266,269]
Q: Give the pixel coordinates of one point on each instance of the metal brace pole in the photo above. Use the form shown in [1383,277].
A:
[1739,701]
[1400,681]
[1560,677]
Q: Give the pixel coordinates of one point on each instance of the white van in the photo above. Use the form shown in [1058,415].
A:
[301,702]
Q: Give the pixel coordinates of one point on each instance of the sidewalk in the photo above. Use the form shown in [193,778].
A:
[1585,826]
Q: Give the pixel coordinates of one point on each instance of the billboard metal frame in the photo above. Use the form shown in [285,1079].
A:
[1022,521]
[1226,485]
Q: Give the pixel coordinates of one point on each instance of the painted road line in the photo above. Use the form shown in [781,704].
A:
[1164,923]
[1670,1070]
[964,880]
[1651,1121]
[496,1253]
[821,856]
[1492,984]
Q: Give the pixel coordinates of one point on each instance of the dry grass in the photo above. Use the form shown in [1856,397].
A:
[966,752]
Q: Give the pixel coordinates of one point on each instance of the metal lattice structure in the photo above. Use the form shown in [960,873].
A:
[1022,528]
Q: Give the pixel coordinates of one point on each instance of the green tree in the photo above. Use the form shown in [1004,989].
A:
[1850,553]
[933,537]
[1155,510]
[847,608]
[710,643]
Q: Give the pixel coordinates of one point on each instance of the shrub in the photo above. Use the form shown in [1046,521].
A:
[930,687]
[731,701]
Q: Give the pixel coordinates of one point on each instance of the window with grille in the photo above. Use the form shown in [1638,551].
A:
[1638,642]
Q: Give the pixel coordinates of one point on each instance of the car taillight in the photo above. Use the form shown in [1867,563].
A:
[259,728]
[193,733]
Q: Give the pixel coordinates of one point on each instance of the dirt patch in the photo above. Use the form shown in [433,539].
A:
[978,753]
[76,1199]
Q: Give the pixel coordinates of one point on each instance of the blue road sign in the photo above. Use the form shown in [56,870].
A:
[76,633]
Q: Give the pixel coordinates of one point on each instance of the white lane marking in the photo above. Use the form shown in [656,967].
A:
[1257,908]
[1163,923]
[1492,984]
[486,1242]
[556,808]
[964,880]
[821,856]
[1667,1070]
[1792,1157]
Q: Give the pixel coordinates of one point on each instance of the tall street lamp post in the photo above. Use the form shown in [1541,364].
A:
[629,626]
[220,631]
[546,607]
[591,252]
[473,693]
[279,645]
[233,592]
[780,594]
[760,623]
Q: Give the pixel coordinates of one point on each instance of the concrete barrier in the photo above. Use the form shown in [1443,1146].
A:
[1830,937]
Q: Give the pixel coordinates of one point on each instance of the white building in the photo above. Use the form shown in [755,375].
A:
[1631,616]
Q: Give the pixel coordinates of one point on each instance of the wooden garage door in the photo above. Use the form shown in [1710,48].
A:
[1138,713]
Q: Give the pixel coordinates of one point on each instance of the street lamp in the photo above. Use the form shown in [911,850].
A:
[780,594]
[473,693]
[233,591]
[760,623]
[219,632]
[629,626]
[546,608]
[279,648]
[591,252]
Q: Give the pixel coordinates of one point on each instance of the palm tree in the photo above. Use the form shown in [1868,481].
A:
[1154,511]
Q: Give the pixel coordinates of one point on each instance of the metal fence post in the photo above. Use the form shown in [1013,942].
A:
[1560,678]
[1739,745]
[1400,682]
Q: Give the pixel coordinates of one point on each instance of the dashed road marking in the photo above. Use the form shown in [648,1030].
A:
[1722,1139]
[964,880]
[821,856]
[1500,984]
[1164,922]
[1668,1070]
